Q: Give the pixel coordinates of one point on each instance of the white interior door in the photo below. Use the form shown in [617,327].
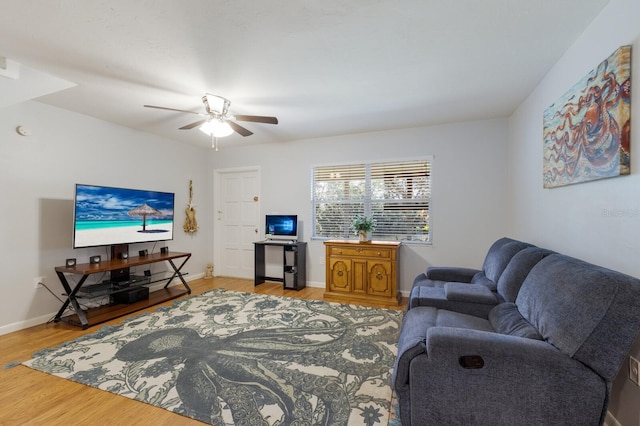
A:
[237,221]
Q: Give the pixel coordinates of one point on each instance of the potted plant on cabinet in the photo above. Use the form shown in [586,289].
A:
[363,226]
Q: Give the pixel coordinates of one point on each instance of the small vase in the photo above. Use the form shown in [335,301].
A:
[363,236]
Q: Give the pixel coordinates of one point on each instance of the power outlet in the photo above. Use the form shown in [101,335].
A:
[37,281]
[633,371]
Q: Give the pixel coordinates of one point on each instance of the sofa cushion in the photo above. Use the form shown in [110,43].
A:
[506,319]
[499,255]
[436,297]
[584,310]
[517,270]
[481,279]
[461,292]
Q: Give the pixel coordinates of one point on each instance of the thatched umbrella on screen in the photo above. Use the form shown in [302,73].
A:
[144,211]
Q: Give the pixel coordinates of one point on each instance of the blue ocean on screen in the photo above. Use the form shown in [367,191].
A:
[100,224]
[106,216]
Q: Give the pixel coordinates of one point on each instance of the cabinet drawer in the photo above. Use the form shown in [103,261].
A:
[383,253]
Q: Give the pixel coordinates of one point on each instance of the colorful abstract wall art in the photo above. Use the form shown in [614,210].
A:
[587,131]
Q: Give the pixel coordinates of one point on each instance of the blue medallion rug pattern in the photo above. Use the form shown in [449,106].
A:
[232,358]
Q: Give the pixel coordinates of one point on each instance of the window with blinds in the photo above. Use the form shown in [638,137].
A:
[396,194]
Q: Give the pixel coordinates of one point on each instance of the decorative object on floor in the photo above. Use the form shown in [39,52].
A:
[242,358]
[363,226]
[208,273]
[190,222]
[587,131]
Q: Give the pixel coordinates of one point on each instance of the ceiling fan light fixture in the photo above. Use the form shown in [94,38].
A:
[217,128]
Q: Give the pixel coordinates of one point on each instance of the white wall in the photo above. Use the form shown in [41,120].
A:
[574,219]
[38,174]
[37,178]
[468,198]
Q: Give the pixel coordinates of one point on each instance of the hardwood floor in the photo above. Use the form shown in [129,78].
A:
[29,397]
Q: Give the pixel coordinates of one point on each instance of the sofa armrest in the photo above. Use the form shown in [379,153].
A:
[443,347]
[461,292]
[530,377]
[451,273]
[442,344]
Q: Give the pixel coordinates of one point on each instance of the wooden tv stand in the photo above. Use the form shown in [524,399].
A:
[88,317]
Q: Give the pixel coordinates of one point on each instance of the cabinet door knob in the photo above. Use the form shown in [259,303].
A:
[339,273]
[379,276]
[379,254]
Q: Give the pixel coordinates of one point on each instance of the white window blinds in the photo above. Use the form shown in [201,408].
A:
[395,194]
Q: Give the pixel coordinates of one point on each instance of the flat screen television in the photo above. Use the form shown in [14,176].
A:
[106,216]
[281,227]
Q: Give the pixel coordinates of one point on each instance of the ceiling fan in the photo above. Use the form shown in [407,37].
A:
[217,121]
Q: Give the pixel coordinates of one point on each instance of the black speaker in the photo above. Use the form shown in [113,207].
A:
[164,250]
[124,255]
[95,259]
[143,252]
[70,262]
[131,296]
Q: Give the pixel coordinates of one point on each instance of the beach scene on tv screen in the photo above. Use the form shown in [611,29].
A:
[105,216]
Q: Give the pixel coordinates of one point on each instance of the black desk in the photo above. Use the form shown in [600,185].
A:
[294,260]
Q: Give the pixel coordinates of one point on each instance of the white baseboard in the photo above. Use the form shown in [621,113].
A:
[21,325]
[609,420]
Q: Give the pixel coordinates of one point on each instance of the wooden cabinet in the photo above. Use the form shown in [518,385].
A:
[362,271]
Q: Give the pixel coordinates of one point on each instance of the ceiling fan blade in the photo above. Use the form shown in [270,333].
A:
[173,109]
[194,124]
[239,129]
[256,119]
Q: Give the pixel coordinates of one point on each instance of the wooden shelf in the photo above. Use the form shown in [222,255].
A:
[110,265]
[87,317]
[108,312]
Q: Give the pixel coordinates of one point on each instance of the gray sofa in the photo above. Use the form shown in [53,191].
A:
[547,357]
[508,268]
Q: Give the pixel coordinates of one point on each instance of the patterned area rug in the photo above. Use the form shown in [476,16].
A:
[231,358]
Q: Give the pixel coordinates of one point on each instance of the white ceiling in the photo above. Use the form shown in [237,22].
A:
[324,68]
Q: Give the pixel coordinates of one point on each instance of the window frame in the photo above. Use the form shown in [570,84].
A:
[367,200]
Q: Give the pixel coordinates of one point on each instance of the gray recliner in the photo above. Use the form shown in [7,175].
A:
[479,299]
[548,358]
[496,260]
[449,287]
